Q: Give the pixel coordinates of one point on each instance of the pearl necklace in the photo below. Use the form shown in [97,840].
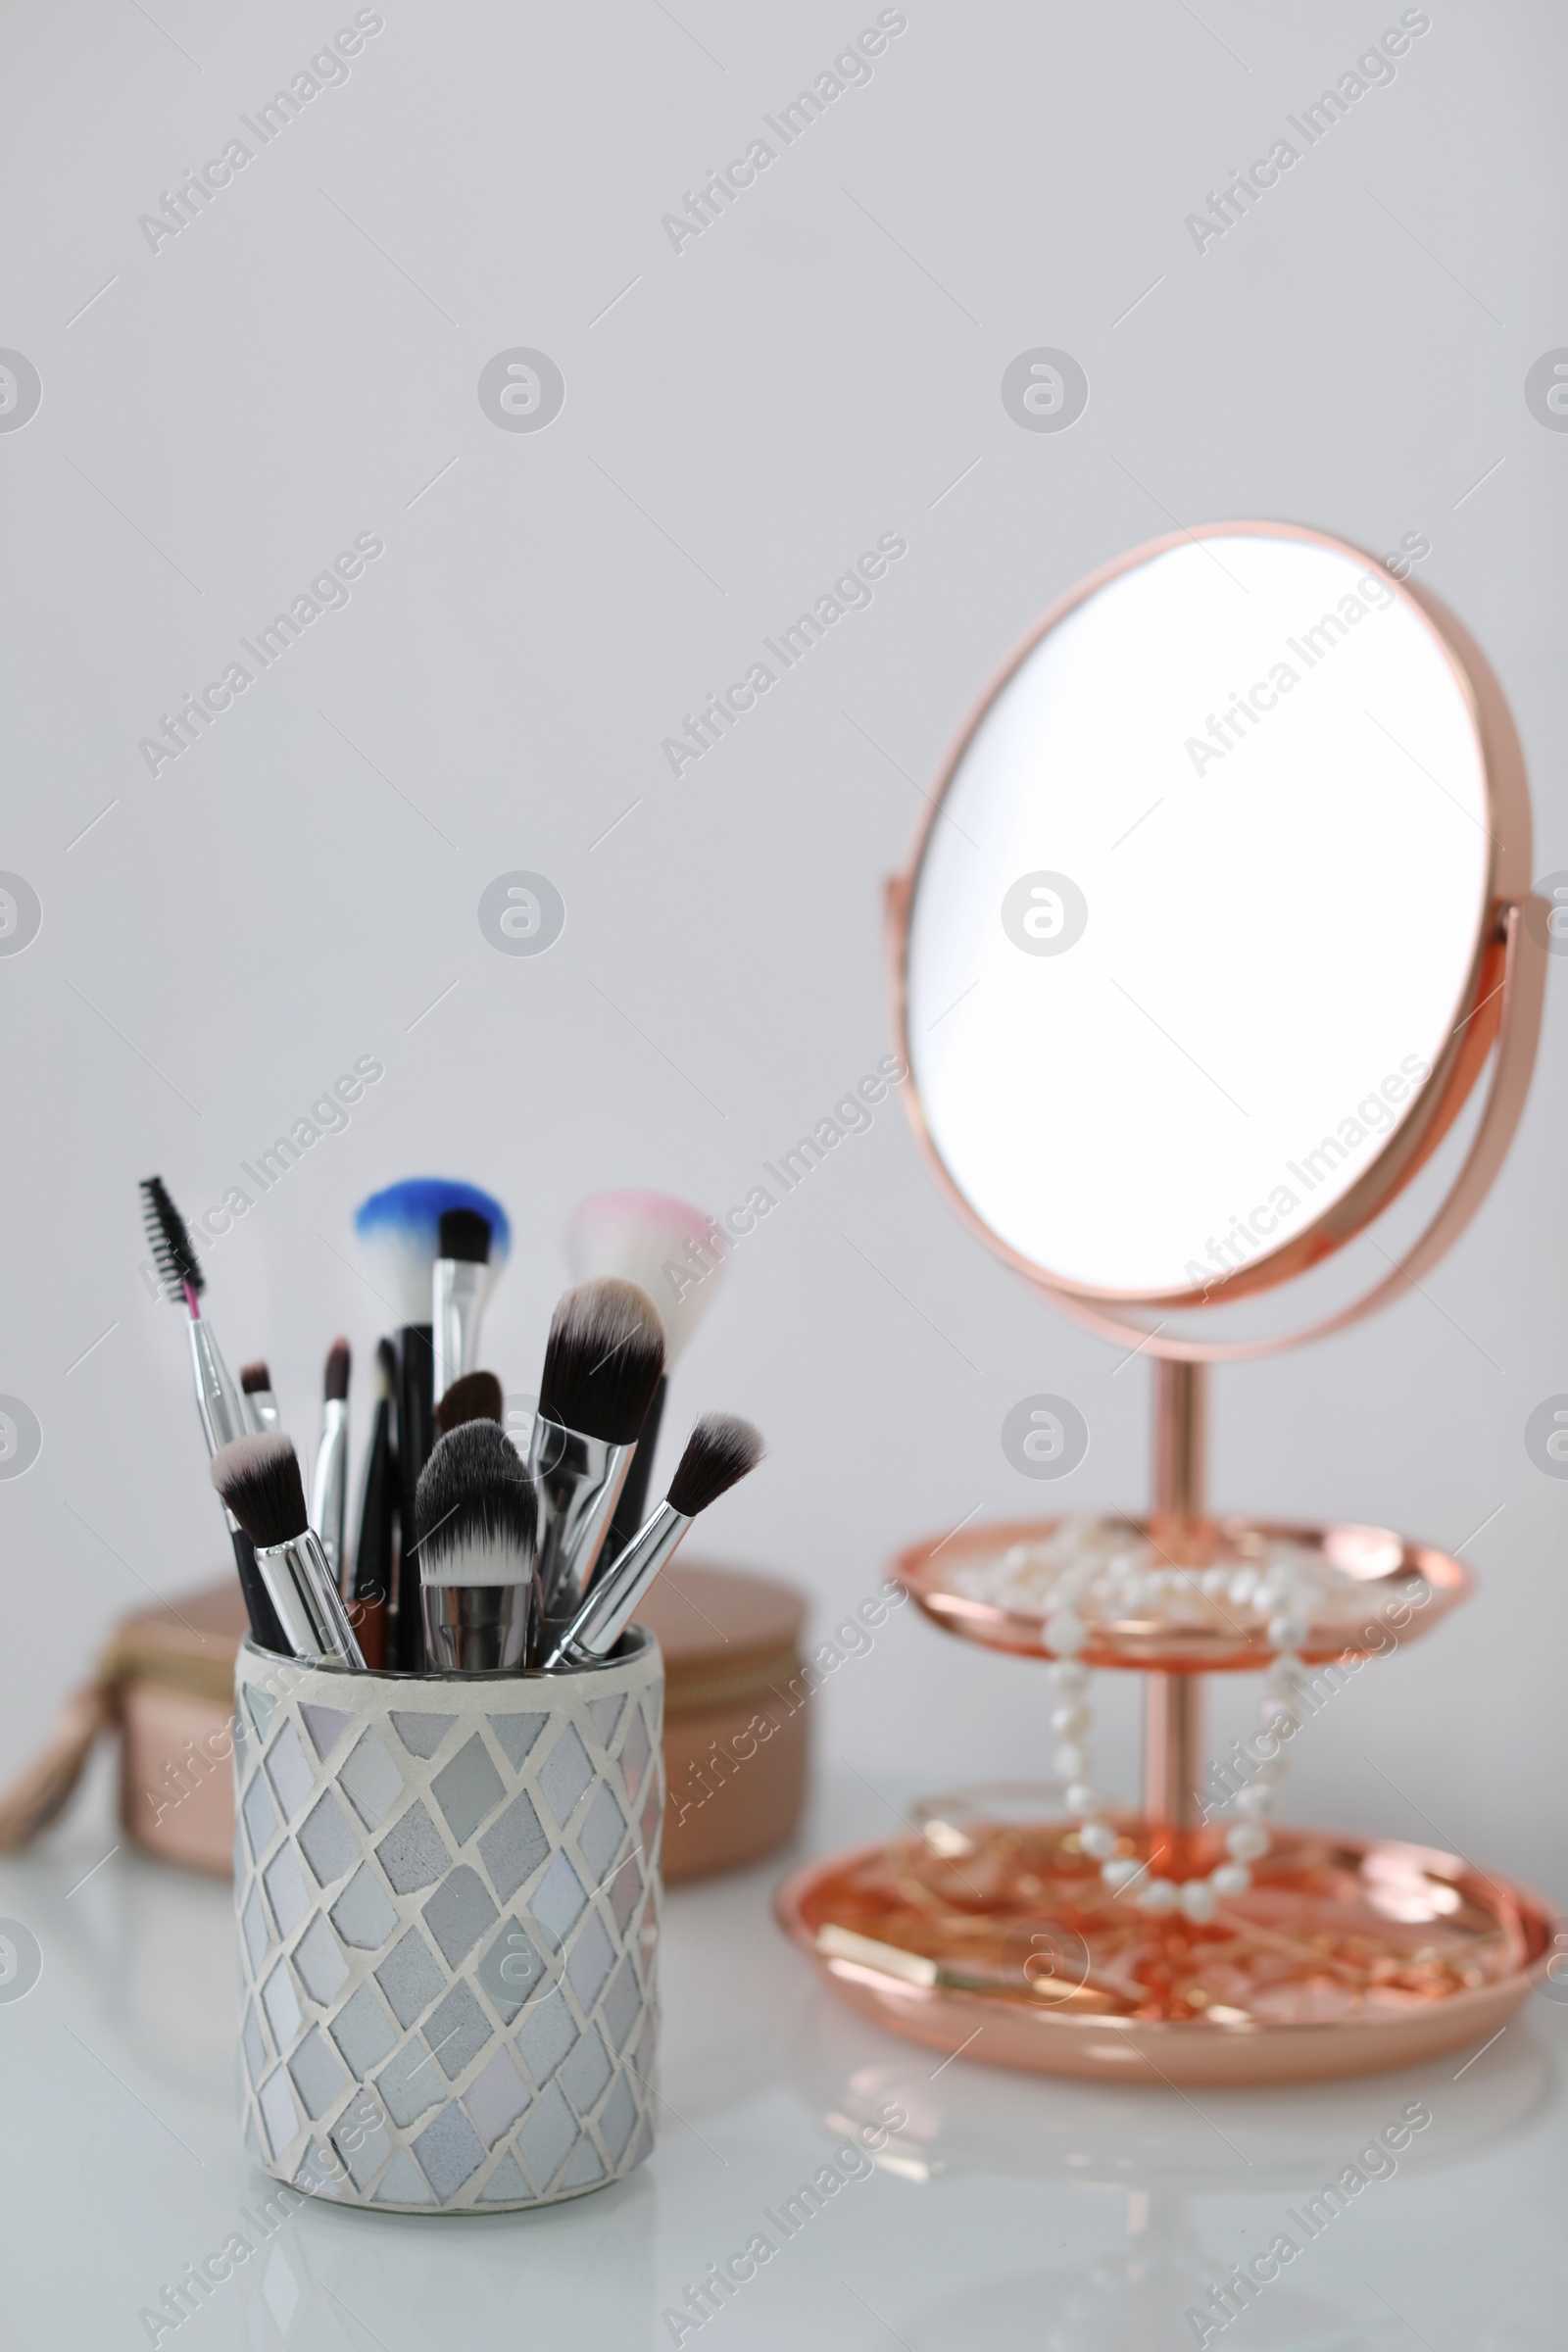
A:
[1282,1711]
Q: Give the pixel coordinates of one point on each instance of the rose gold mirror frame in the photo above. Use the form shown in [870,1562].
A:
[1498,1005]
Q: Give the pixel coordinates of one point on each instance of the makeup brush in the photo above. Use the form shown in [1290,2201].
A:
[260,1405]
[476,1523]
[379,1515]
[330,1482]
[459,1286]
[673,1250]
[400,1231]
[603,1362]
[217,1400]
[477,1397]
[260,1482]
[719,1452]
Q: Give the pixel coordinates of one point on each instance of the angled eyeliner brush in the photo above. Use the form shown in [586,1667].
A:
[217,1400]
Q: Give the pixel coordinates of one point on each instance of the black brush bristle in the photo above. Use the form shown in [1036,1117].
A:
[255,1379]
[169,1242]
[604,1360]
[474,1497]
[477,1397]
[465,1235]
[719,1452]
[259,1478]
[337,1371]
[385,1379]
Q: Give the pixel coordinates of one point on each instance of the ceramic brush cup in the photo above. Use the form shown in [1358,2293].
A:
[448,1894]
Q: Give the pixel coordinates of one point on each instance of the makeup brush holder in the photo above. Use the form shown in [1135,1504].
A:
[448,1895]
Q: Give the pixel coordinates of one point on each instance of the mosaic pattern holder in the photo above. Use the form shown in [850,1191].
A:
[448,1897]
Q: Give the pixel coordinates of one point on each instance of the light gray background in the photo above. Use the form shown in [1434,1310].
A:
[820,367]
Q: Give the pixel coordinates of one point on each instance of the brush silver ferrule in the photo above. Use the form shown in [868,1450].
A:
[457,1305]
[218,1398]
[578,1482]
[476,1629]
[260,1408]
[329,1484]
[308,1606]
[612,1601]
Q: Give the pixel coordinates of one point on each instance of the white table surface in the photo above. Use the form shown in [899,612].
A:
[1010,2211]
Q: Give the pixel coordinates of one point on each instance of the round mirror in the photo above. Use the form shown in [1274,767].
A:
[1207,930]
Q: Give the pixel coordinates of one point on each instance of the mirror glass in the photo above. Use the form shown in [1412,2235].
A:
[1197,913]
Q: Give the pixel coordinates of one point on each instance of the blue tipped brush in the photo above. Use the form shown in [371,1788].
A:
[400,1231]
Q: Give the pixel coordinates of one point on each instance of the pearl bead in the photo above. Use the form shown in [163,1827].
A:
[1231,1878]
[1069,1762]
[1198,1901]
[1083,1800]
[1213,1582]
[1097,1840]
[1254,1801]
[1066,1635]
[1247,1841]
[1158,1896]
[1070,1721]
[1068,1675]
[1243,1583]
[1286,1633]
[1117,1874]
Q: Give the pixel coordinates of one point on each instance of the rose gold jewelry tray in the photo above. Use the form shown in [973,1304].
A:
[993,1933]
[1400,1590]
[1347,1956]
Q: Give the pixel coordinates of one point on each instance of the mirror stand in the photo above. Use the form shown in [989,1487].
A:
[1123,826]
[1180,1529]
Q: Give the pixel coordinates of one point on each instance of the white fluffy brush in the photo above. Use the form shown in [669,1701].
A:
[665,1246]
[671,1252]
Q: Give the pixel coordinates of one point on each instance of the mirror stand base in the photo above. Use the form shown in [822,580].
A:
[993,1936]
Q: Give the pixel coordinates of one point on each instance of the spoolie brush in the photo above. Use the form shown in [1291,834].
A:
[675,1253]
[260,1482]
[719,1452]
[223,1414]
[476,1524]
[603,1361]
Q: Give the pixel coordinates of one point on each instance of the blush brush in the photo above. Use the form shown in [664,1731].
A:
[719,1452]
[219,1402]
[603,1363]
[260,1482]
[476,1526]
